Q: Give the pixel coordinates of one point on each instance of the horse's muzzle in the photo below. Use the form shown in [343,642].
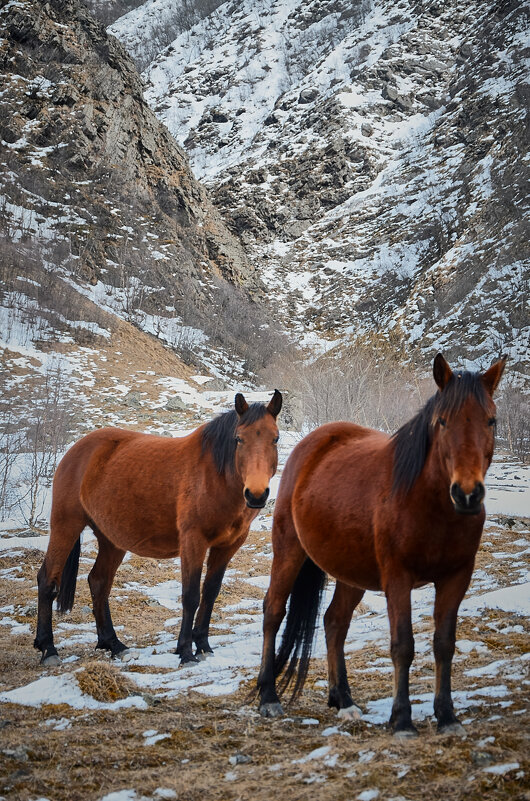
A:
[256,502]
[470,504]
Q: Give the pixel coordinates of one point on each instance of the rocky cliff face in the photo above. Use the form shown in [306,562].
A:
[94,182]
[370,156]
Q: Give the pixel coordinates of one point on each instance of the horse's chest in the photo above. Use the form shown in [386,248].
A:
[221,534]
[443,552]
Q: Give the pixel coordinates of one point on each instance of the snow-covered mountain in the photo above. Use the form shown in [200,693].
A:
[371,156]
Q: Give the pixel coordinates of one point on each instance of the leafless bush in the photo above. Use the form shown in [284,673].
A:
[162,32]
[45,438]
[10,445]
[513,414]
[242,327]
[363,387]
[107,11]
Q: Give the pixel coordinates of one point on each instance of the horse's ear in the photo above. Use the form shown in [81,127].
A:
[491,377]
[275,403]
[441,371]
[240,404]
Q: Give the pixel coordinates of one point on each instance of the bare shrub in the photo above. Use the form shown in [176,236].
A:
[513,415]
[363,386]
[242,327]
[46,437]
[10,445]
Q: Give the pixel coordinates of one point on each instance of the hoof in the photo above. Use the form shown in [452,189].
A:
[452,728]
[188,661]
[350,713]
[406,734]
[274,710]
[124,656]
[50,661]
[202,655]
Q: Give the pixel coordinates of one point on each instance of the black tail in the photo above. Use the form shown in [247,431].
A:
[66,595]
[300,626]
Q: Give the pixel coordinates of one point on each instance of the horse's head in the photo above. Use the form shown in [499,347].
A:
[256,457]
[464,425]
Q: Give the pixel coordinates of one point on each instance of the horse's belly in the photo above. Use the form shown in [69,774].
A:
[145,534]
[156,546]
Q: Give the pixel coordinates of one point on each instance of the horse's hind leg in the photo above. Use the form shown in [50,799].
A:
[289,556]
[100,580]
[336,622]
[59,566]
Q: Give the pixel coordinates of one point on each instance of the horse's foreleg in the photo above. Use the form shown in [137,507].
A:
[336,622]
[285,568]
[193,551]
[218,560]
[402,652]
[449,594]
[100,580]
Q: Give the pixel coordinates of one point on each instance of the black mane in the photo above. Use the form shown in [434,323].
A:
[413,440]
[218,436]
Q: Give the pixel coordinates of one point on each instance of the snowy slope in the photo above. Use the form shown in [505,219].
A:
[371,158]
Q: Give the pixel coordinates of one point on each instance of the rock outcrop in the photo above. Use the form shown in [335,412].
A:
[93,178]
[370,156]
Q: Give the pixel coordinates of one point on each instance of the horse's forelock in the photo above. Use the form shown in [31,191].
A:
[457,391]
[218,436]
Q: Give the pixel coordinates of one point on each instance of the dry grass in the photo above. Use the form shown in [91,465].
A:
[219,748]
[104,682]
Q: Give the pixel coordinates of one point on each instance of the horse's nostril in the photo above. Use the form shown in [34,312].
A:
[468,502]
[479,492]
[457,494]
[256,500]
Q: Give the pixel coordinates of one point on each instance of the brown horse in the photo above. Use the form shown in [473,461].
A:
[380,513]
[158,497]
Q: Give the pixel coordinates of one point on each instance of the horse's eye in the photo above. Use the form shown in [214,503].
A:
[239,440]
[441,421]
[275,440]
[492,421]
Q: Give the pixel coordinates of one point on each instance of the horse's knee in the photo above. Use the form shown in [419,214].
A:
[443,647]
[96,584]
[402,651]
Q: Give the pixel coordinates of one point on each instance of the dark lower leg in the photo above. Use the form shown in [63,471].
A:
[100,582]
[336,622]
[218,559]
[402,652]
[190,602]
[272,618]
[210,591]
[443,703]
[44,635]
[449,595]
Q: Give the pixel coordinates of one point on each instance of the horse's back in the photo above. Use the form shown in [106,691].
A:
[339,440]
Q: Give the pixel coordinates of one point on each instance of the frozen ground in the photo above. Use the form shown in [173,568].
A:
[163,715]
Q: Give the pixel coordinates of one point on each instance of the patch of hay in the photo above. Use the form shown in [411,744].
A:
[105,682]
